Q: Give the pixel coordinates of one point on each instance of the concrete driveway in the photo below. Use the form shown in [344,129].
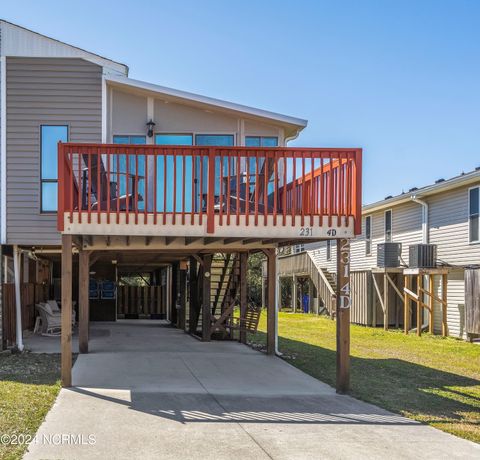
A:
[152,392]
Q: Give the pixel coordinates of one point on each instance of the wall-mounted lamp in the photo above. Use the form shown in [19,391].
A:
[150,126]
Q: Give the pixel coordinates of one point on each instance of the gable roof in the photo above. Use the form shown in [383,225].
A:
[294,125]
[441,185]
[20,41]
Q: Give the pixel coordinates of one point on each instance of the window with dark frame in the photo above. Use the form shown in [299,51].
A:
[473,214]
[368,235]
[388,226]
[50,136]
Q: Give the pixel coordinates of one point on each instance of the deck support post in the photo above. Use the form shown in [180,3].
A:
[182,275]
[419,304]
[193,294]
[444,304]
[431,303]
[206,298]
[243,293]
[175,293]
[294,294]
[271,300]
[66,341]
[83,300]
[385,302]
[343,315]
[406,304]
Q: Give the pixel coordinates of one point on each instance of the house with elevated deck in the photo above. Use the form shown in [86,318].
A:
[105,179]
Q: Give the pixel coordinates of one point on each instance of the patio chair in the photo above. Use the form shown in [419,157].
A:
[51,323]
[56,309]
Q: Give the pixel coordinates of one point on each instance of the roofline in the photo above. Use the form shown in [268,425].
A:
[67,44]
[449,184]
[205,100]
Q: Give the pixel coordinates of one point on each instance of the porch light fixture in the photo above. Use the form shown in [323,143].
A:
[150,126]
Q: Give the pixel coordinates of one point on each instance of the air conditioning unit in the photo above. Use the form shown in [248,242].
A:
[388,255]
[422,256]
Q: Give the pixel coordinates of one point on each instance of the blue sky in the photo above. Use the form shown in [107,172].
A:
[399,78]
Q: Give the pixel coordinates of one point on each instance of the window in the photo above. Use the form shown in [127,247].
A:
[173,139]
[329,249]
[368,235]
[298,248]
[388,225]
[261,141]
[129,140]
[473,214]
[50,136]
[226,140]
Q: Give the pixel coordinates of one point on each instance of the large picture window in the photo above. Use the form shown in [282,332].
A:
[50,136]
[473,214]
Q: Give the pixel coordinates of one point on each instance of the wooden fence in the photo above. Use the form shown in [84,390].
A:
[30,295]
[141,300]
[472,301]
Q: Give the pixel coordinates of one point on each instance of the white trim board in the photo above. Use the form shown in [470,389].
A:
[3,150]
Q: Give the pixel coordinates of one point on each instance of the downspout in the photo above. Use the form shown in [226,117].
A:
[425,227]
[18,300]
[277,297]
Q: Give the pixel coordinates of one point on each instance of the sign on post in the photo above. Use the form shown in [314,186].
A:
[343,315]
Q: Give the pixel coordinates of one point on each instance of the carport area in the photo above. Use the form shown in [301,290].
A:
[147,390]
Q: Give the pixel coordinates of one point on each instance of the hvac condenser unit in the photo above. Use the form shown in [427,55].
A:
[388,255]
[422,256]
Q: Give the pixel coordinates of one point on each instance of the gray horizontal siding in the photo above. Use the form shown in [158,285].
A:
[449,228]
[455,307]
[44,91]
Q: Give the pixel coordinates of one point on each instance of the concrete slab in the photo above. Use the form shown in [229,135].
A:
[146,391]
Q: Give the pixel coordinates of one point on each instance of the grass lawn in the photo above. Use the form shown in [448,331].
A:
[29,384]
[431,379]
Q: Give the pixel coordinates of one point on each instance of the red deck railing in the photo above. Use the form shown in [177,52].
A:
[196,183]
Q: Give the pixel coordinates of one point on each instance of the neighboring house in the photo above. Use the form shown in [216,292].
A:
[445,213]
[147,182]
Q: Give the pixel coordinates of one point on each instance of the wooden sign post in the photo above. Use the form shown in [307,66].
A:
[343,315]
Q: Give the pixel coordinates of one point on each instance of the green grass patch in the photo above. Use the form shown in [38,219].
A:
[430,379]
[29,384]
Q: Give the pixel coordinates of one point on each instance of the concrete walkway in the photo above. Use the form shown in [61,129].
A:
[152,392]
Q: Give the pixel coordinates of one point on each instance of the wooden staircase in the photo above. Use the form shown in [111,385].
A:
[324,281]
[225,274]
